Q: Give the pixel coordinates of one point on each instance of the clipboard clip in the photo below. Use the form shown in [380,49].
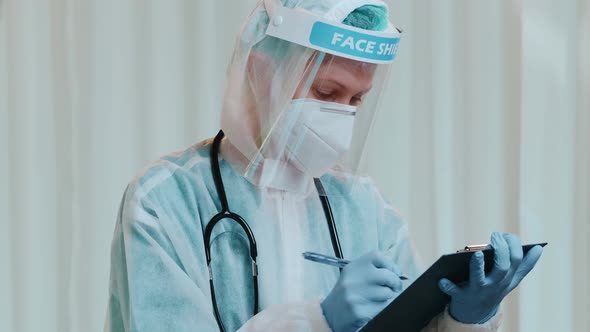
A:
[475,247]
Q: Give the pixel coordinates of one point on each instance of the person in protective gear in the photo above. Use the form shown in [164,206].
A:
[301,93]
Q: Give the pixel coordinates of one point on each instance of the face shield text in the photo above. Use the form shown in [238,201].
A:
[363,45]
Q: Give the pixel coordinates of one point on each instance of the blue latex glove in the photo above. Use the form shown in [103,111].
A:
[477,301]
[365,287]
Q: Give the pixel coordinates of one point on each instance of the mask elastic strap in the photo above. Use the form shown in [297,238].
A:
[305,91]
[314,72]
[253,166]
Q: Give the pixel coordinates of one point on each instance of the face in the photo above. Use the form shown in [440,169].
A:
[340,80]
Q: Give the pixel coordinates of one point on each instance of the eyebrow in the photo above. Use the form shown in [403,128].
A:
[329,80]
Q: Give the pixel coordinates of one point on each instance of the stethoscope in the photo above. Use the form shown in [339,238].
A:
[225,213]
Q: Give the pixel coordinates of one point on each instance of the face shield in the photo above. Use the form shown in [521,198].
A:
[304,93]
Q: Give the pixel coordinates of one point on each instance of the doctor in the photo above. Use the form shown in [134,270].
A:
[211,238]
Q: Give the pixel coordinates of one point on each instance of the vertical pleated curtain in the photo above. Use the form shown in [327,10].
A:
[488,128]
[484,126]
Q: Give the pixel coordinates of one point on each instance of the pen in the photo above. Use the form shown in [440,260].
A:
[333,261]
[476,247]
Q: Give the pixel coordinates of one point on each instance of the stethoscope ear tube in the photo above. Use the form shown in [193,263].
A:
[225,213]
[238,219]
[214,155]
[329,217]
[214,302]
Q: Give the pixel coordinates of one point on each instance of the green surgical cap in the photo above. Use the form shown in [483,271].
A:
[368,17]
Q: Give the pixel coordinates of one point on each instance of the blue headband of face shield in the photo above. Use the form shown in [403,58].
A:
[306,29]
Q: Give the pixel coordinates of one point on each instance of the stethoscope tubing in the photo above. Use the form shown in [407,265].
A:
[225,213]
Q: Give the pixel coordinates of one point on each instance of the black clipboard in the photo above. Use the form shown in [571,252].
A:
[416,306]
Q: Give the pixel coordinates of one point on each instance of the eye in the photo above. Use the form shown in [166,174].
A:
[356,100]
[324,94]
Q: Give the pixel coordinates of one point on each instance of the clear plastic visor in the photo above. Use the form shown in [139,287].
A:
[319,127]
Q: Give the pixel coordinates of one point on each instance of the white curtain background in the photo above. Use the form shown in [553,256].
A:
[485,126]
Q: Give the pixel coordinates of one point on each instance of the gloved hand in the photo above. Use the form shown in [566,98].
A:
[477,301]
[365,287]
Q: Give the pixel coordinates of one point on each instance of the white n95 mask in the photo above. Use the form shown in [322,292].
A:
[320,133]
